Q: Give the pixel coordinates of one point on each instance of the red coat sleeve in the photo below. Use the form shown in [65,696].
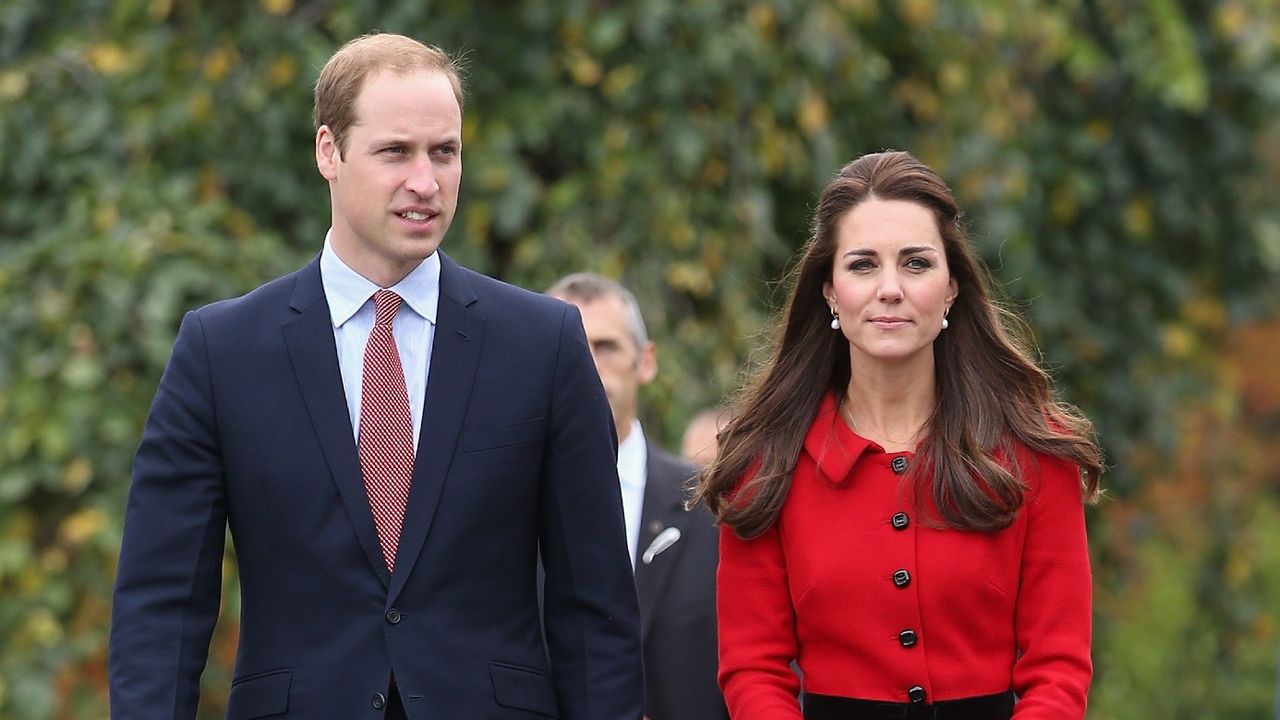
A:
[757,628]
[1053,616]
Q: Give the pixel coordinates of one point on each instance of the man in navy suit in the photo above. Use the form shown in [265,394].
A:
[392,439]
[674,551]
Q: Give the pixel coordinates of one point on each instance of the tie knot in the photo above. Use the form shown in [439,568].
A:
[386,304]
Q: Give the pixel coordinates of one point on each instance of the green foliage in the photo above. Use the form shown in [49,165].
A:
[1114,158]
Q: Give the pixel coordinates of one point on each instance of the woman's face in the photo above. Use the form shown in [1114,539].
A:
[890,284]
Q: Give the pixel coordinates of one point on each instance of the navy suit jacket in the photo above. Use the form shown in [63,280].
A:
[249,428]
[677,591]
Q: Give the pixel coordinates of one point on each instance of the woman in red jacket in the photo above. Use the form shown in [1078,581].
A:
[901,497]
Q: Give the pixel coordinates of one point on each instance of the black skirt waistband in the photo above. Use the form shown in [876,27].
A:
[983,707]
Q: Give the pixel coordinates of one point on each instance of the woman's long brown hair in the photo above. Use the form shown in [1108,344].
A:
[992,397]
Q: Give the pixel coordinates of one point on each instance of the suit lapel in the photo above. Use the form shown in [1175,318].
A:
[309,339]
[455,357]
[662,509]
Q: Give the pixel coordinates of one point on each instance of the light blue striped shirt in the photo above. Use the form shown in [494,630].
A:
[350,297]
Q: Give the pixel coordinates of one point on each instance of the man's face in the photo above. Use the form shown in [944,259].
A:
[394,189]
[623,367]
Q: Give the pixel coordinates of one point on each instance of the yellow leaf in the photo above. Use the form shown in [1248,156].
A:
[105,217]
[584,69]
[77,474]
[13,84]
[814,115]
[1099,130]
[282,71]
[159,9]
[953,77]
[107,58]
[44,628]
[54,561]
[1231,19]
[80,526]
[762,19]
[862,9]
[277,7]
[200,106]
[1178,341]
[620,79]
[1063,207]
[918,12]
[218,63]
[1137,217]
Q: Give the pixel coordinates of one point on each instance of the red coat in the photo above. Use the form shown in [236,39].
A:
[836,581]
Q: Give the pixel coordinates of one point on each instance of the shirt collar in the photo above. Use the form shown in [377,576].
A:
[631,457]
[347,290]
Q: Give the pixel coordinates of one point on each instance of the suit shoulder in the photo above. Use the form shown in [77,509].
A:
[251,305]
[668,466]
[512,298]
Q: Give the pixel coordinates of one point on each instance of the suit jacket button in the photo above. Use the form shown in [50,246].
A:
[899,464]
[900,521]
[393,616]
[916,694]
[907,638]
[379,701]
[902,578]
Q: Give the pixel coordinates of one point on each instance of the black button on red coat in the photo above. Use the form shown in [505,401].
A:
[907,638]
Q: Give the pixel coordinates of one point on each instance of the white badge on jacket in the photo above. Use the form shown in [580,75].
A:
[665,539]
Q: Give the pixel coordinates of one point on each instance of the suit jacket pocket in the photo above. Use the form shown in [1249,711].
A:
[260,695]
[501,436]
[523,688]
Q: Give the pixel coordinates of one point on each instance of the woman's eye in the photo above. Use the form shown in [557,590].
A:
[858,265]
[919,263]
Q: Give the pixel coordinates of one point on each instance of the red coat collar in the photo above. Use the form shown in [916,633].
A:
[833,447]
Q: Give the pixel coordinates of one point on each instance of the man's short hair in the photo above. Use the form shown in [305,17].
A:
[344,74]
[588,287]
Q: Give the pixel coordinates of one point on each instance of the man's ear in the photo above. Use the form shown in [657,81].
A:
[327,153]
[647,365]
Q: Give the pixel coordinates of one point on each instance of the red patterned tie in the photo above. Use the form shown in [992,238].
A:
[386,428]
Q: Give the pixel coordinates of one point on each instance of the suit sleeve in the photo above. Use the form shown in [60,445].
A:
[757,628]
[1053,621]
[591,616]
[168,581]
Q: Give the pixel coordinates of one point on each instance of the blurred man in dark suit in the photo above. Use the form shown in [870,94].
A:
[674,551]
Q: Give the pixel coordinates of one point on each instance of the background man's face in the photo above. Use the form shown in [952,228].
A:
[623,367]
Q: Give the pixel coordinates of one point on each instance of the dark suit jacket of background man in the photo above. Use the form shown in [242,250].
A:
[678,598]
[250,426]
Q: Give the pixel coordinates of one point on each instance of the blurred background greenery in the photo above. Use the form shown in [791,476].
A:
[1118,160]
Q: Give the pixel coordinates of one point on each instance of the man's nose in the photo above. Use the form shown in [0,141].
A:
[422,178]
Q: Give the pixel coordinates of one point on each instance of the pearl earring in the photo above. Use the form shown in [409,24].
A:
[835,320]
[945,324]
